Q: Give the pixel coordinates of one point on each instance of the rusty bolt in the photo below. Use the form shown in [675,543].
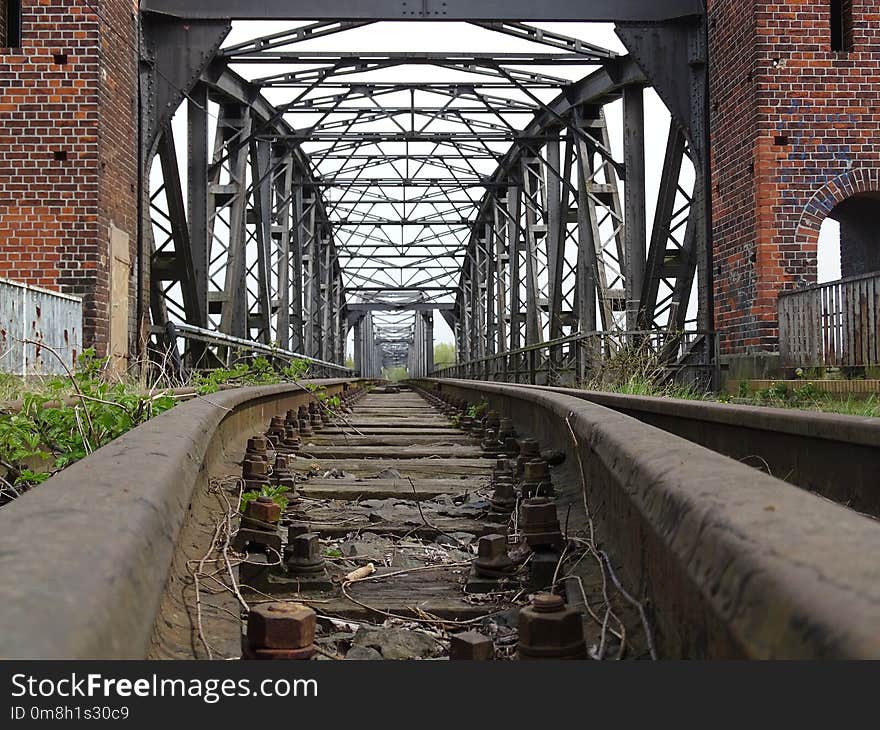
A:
[548,629]
[471,646]
[264,509]
[490,444]
[528,449]
[303,554]
[492,558]
[281,626]
[275,431]
[256,470]
[291,438]
[283,473]
[540,523]
[504,497]
[295,529]
[536,480]
[257,449]
[255,473]
[502,467]
[506,429]
[537,470]
[493,420]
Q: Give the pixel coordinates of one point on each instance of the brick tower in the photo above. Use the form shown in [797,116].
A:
[795,120]
[68,157]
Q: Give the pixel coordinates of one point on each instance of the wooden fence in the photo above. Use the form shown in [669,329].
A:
[831,325]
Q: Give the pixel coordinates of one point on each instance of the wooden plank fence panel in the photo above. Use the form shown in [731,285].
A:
[831,325]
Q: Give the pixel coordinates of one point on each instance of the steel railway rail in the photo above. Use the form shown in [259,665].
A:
[452,519]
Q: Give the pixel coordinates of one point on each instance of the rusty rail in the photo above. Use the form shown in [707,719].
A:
[831,325]
[732,562]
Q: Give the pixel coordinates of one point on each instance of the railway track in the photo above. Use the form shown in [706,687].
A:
[391,526]
[411,530]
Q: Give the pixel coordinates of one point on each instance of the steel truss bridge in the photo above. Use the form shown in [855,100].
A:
[315,192]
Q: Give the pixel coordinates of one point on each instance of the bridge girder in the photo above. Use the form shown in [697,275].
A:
[536,231]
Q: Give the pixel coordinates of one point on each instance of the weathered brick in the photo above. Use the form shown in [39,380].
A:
[68,149]
[795,131]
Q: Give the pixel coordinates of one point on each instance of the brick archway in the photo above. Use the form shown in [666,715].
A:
[834,192]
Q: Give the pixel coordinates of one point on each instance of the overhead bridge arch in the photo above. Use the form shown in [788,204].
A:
[319,193]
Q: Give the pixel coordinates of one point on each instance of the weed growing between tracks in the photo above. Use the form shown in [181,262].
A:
[63,419]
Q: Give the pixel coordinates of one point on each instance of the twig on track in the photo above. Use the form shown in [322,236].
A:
[425,519]
[431,621]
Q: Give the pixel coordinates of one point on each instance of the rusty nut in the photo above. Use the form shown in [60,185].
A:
[281,626]
[471,646]
[549,629]
[264,509]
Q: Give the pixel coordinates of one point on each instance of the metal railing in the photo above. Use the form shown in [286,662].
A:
[831,325]
[571,360]
[221,350]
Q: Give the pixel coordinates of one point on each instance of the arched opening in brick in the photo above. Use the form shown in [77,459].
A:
[849,240]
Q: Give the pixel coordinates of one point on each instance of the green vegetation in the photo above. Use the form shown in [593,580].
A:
[808,397]
[259,372]
[637,370]
[444,355]
[395,375]
[49,434]
[320,392]
[63,419]
[276,493]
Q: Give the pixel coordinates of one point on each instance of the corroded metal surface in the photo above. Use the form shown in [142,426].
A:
[34,324]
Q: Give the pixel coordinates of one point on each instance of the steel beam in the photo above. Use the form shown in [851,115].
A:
[197,198]
[482,10]
[635,200]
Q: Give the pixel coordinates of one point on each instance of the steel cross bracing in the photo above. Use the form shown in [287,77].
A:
[488,193]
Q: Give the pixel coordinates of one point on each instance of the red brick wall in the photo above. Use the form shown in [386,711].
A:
[795,130]
[118,136]
[68,149]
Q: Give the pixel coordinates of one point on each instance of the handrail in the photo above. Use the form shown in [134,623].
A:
[660,336]
[828,284]
[211,337]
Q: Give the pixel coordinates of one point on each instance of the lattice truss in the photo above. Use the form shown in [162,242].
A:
[318,191]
